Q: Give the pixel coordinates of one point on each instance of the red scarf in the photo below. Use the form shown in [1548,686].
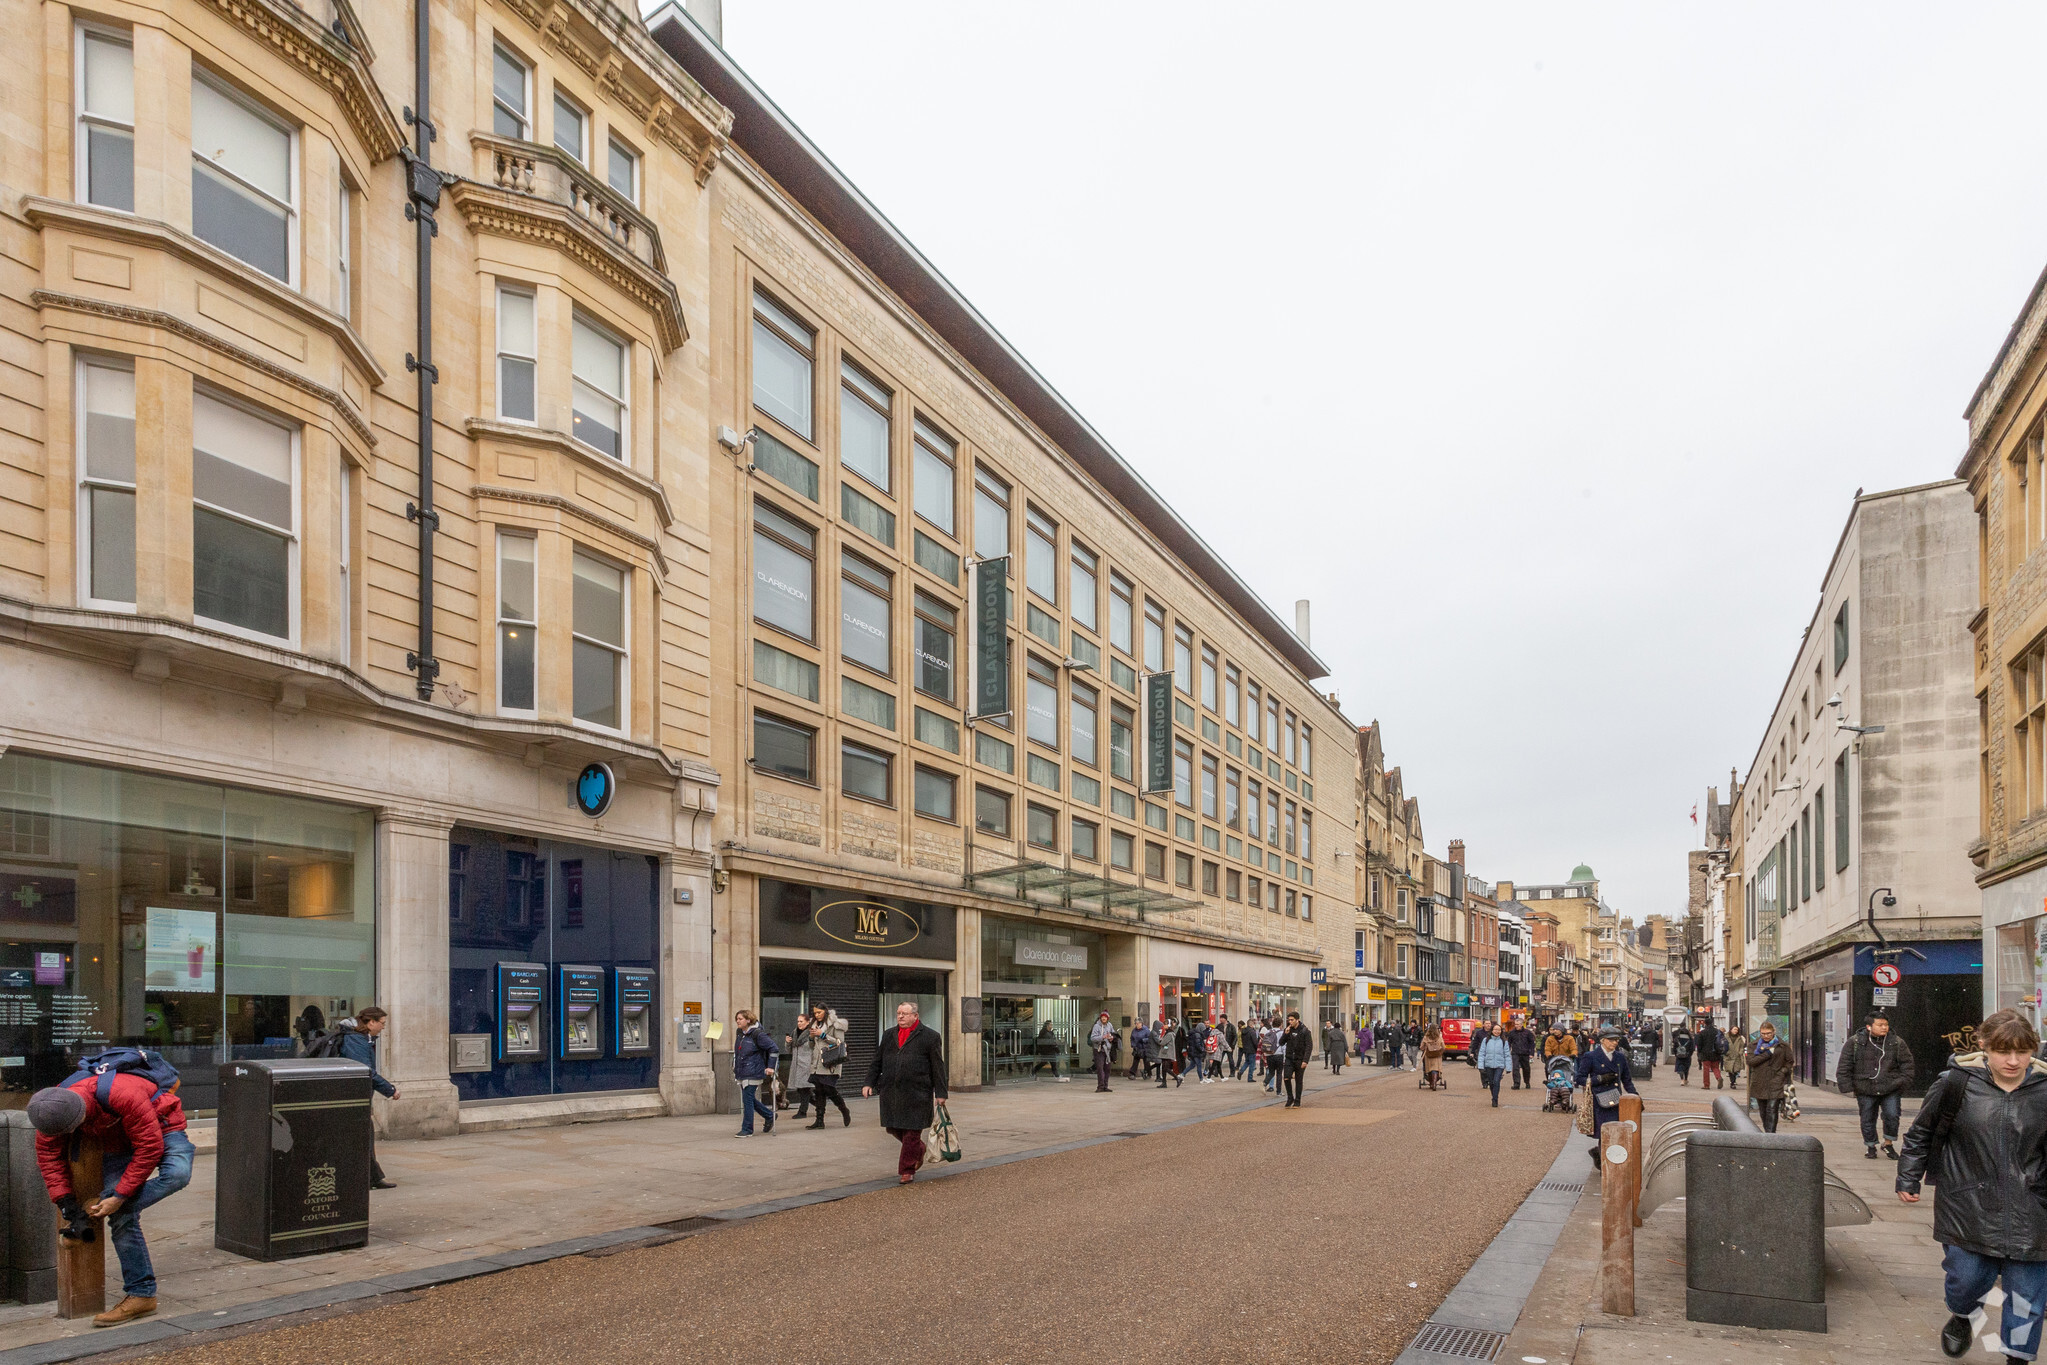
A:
[903,1036]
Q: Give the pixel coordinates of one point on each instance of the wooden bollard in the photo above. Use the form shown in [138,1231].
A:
[1617,1221]
[82,1266]
[1631,1119]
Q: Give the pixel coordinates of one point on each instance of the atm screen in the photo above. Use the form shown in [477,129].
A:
[582,1000]
[633,1004]
[522,1010]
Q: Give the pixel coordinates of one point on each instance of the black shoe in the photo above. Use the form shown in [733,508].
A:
[1870,1151]
[1889,1150]
[848,1117]
[768,1128]
[1954,1338]
[383,1184]
[818,1124]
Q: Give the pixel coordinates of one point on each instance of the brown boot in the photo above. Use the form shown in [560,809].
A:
[127,1310]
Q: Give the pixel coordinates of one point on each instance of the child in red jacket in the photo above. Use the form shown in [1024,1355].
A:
[141,1130]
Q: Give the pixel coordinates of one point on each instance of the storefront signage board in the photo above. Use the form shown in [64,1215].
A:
[1204,977]
[826,920]
[1318,976]
[1031,952]
[1158,732]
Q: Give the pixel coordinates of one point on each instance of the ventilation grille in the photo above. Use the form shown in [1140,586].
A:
[1466,1343]
[1563,1186]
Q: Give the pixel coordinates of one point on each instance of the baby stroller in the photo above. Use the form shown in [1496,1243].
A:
[1556,1084]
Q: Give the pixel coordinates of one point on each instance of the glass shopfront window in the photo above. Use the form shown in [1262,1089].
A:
[209,923]
[520,900]
[2022,965]
[1041,992]
[1270,1002]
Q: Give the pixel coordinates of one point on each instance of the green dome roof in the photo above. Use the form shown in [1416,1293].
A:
[1582,873]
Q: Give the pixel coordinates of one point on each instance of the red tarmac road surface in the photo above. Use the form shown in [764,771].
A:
[1272,1235]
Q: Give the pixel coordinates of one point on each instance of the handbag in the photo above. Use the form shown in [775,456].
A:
[834,1054]
[945,1137]
[1583,1104]
[1609,1098]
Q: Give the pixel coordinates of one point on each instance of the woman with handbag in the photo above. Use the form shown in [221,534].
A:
[821,1054]
[1432,1059]
[1603,1072]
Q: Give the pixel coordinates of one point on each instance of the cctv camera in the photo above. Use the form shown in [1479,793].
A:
[1890,901]
[1835,701]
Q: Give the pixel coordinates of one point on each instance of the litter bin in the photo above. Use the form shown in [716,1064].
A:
[1641,1060]
[293,1173]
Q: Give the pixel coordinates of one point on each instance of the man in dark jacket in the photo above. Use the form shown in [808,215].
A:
[1875,1068]
[1711,1045]
[1988,1171]
[1769,1074]
[1297,1046]
[1521,1042]
[1681,1046]
[909,1071]
[141,1131]
[359,1044]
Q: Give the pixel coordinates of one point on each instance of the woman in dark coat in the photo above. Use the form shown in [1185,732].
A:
[1605,1068]
[1769,1072]
[909,1071]
[1987,1173]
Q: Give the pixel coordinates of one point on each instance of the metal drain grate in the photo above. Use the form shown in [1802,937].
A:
[1563,1186]
[690,1224]
[1466,1343]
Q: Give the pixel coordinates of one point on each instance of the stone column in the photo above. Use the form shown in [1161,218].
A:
[412,973]
[963,1050]
[688,1084]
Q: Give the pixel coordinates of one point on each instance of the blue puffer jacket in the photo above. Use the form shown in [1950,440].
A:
[754,1053]
[360,1047]
[1494,1052]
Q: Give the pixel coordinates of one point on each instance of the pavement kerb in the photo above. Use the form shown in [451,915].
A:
[194,1326]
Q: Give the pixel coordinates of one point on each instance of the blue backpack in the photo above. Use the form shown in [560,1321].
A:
[153,1067]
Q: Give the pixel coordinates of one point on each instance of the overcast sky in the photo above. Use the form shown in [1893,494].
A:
[1542,347]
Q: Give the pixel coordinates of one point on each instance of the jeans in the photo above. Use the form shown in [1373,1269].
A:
[124,1229]
[1293,1083]
[1247,1063]
[1767,1111]
[1489,1077]
[1393,1056]
[749,1101]
[1101,1068]
[1521,1065]
[1684,1069]
[1871,1106]
[1969,1278]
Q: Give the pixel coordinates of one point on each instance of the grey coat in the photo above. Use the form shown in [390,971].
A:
[811,1045]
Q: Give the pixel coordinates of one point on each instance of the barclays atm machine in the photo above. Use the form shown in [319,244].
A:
[522,1012]
[580,991]
[632,1011]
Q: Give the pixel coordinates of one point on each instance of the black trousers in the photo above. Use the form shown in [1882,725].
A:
[1101,1068]
[825,1090]
[1768,1110]
[1294,1075]
[376,1171]
[1521,1072]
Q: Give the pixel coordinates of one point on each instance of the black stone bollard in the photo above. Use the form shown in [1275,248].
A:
[1755,1226]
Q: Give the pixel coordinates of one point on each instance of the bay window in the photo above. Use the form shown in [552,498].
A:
[106,495]
[599,361]
[105,81]
[244,517]
[518,347]
[598,634]
[509,82]
[518,625]
[569,125]
[244,179]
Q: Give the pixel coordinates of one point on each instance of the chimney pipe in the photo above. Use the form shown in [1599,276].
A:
[1301,621]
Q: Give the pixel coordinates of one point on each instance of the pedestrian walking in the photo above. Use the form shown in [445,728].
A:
[1875,1068]
[1604,1073]
[909,1072]
[754,1059]
[1431,1063]
[1102,1038]
[1297,1047]
[1495,1056]
[1339,1049]
[1981,1138]
[798,1087]
[1737,1056]
[1521,1046]
[1211,1055]
[1274,1054]
[1140,1041]
[1682,1044]
[1414,1043]
[820,1049]
[1559,1044]
[1247,1049]
[146,1158]
[1769,1072]
[1710,1044]
[1367,1041]
[1396,1038]
[359,1044]
[1169,1051]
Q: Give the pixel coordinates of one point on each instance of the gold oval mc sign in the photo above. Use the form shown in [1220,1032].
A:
[863,924]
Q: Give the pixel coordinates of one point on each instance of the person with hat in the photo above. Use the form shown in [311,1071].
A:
[146,1158]
[1604,1071]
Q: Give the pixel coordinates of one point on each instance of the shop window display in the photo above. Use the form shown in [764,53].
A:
[209,923]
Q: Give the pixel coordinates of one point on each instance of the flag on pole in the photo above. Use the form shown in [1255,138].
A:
[1695,813]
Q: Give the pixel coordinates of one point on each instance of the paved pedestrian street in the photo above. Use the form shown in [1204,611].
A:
[1214,1240]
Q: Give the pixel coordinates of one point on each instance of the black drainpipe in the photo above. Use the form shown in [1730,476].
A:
[423,197]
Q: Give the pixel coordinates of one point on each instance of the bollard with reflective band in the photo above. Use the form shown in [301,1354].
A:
[1616,1222]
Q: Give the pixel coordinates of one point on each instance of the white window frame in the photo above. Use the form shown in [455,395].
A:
[613,144]
[86,483]
[82,118]
[524,116]
[345,575]
[293,270]
[624,649]
[344,267]
[294,536]
[501,620]
[625,383]
[581,151]
[531,357]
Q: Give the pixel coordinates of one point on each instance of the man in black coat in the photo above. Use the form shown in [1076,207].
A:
[1298,1045]
[1521,1042]
[1981,1135]
[909,1071]
[1875,1068]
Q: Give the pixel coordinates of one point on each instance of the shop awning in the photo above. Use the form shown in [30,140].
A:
[1039,883]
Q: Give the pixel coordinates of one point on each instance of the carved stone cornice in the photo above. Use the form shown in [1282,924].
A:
[562,443]
[177,326]
[483,491]
[525,218]
[328,58]
[614,49]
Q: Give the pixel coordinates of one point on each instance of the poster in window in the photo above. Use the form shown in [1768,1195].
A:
[181,950]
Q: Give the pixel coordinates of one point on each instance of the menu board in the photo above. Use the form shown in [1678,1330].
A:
[181,950]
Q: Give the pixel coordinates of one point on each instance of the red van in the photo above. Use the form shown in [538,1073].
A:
[1457,1036]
